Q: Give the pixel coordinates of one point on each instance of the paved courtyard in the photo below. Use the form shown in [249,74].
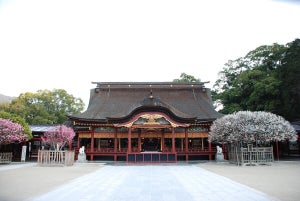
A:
[153,183]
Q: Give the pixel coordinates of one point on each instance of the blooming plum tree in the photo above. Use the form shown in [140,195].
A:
[58,137]
[249,127]
[11,132]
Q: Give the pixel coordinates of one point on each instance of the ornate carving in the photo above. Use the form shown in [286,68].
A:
[151,118]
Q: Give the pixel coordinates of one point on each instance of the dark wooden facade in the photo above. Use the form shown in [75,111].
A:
[146,122]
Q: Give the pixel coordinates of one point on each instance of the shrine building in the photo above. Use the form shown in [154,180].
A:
[146,122]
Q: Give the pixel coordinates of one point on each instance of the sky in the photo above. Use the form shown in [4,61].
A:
[68,44]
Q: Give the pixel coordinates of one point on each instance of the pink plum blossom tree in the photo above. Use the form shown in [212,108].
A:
[58,137]
[11,132]
[249,127]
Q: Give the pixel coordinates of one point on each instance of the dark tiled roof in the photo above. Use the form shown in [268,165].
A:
[296,127]
[119,100]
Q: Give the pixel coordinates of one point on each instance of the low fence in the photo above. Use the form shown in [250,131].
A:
[50,157]
[5,157]
[251,156]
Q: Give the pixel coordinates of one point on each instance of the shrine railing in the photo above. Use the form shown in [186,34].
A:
[197,150]
[135,150]
[255,156]
[52,158]
[104,150]
[5,157]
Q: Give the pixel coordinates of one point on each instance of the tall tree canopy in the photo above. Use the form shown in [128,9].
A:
[44,106]
[289,75]
[266,79]
[186,78]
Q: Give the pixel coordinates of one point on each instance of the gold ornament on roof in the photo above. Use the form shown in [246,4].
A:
[151,118]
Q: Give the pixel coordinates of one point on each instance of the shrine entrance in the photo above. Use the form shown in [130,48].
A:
[151,144]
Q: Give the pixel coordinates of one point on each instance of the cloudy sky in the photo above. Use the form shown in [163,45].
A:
[67,44]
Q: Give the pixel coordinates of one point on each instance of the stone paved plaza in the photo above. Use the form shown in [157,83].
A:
[171,182]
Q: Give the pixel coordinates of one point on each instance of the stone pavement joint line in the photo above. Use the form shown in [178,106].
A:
[153,183]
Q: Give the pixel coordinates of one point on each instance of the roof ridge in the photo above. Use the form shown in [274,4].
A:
[149,83]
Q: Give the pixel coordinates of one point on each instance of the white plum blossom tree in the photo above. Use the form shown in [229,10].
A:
[249,127]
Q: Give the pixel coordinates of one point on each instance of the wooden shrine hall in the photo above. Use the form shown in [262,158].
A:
[146,122]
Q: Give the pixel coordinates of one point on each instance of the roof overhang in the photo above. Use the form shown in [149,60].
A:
[151,121]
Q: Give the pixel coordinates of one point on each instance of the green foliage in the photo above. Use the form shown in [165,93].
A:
[186,78]
[289,74]
[44,106]
[266,79]
[19,120]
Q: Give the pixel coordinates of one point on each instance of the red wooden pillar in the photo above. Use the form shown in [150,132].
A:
[186,144]
[78,145]
[129,140]
[139,140]
[92,145]
[115,144]
[78,142]
[209,149]
[173,140]
[162,140]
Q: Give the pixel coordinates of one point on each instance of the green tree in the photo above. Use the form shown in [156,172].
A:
[289,74]
[266,79]
[186,78]
[44,106]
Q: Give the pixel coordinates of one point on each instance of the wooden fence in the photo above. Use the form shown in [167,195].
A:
[251,155]
[5,157]
[50,157]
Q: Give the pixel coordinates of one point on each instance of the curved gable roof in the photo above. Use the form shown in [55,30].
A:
[120,100]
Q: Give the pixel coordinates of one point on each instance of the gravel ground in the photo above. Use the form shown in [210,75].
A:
[280,180]
[19,183]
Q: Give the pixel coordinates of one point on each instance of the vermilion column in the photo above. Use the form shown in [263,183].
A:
[115,141]
[139,140]
[162,140]
[129,140]
[173,140]
[186,144]
[115,144]
[209,149]
[92,145]
[78,142]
